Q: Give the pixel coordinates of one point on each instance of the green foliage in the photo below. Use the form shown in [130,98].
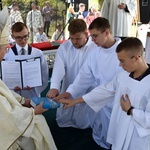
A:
[100,3]
[57,5]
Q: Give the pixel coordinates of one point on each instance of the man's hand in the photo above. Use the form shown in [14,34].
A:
[67,102]
[39,109]
[122,6]
[65,95]
[52,93]
[125,103]
[17,88]
[71,102]
[27,88]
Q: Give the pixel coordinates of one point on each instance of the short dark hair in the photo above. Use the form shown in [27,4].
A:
[18,27]
[131,44]
[76,26]
[33,3]
[100,23]
[14,4]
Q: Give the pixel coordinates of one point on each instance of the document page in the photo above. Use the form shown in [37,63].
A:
[11,74]
[31,72]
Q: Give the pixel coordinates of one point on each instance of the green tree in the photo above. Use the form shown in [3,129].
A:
[58,7]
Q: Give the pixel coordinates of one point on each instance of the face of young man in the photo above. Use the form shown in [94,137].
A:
[79,39]
[128,61]
[21,38]
[99,37]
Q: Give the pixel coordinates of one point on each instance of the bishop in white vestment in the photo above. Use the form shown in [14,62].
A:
[20,126]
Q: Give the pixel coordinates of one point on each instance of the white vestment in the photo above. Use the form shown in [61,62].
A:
[33,92]
[15,16]
[120,20]
[101,66]
[125,132]
[67,64]
[34,20]
[17,121]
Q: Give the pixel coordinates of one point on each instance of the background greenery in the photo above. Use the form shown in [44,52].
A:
[58,6]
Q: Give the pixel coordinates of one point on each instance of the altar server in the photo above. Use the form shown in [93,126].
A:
[71,56]
[20,34]
[101,66]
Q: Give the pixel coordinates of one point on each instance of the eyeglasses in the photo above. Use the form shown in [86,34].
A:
[19,38]
[94,36]
[123,62]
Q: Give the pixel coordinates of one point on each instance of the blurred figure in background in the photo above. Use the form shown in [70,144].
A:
[91,14]
[40,36]
[81,13]
[71,13]
[15,15]
[58,34]
[33,21]
[47,12]
[119,13]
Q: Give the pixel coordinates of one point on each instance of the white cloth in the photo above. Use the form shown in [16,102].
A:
[120,20]
[34,92]
[125,132]
[147,50]
[17,121]
[57,34]
[38,38]
[67,64]
[101,66]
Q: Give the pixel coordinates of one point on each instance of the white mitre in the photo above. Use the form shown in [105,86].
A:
[4,27]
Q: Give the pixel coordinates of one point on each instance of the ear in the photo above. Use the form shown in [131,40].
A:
[107,31]
[86,34]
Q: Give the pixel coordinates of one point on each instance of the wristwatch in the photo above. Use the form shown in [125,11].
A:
[129,110]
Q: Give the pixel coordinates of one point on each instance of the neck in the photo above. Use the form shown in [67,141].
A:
[110,42]
[141,70]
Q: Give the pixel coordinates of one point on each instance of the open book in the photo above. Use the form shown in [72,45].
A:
[48,103]
[22,73]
